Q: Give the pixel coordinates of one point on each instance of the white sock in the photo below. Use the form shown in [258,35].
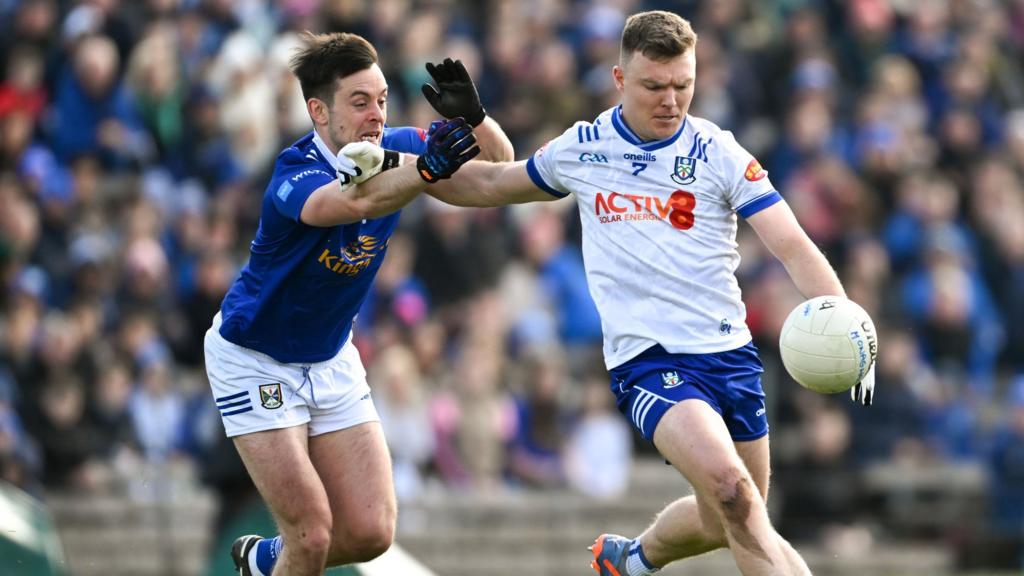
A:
[636,562]
[252,564]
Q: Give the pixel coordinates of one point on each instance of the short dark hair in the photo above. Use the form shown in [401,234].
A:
[326,58]
[657,34]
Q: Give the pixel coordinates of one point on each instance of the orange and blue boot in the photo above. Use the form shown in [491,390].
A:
[610,554]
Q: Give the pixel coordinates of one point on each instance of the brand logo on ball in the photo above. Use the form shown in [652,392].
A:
[270,396]
[867,347]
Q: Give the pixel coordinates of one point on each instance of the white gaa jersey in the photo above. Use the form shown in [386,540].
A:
[659,230]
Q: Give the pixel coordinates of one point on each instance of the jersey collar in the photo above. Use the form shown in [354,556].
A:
[325,151]
[629,136]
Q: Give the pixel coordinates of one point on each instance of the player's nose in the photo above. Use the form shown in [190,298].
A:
[377,113]
[668,99]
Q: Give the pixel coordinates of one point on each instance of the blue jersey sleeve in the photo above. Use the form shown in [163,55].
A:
[405,139]
[295,179]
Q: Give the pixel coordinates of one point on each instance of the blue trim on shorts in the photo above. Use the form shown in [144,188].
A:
[231,397]
[241,411]
[649,384]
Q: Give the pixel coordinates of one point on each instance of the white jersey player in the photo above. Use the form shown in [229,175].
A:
[659,193]
[659,229]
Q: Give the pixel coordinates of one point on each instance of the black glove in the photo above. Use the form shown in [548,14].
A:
[457,95]
[449,145]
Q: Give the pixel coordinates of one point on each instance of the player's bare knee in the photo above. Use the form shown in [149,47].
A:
[734,495]
[312,540]
[365,543]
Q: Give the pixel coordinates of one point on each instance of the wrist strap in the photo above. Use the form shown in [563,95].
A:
[392,159]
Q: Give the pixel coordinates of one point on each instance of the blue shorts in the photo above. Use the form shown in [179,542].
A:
[646,386]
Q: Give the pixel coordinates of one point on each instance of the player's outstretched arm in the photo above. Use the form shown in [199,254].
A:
[807,266]
[494,143]
[456,95]
[449,146]
[487,184]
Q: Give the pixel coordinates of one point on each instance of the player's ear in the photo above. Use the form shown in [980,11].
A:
[619,76]
[318,111]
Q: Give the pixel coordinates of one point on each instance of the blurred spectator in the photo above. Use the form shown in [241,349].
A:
[599,449]
[156,406]
[562,280]
[472,421]
[818,484]
[22,91]
[109,410]
[448,240]
[401,401]
[154,77]
[543,421]
[1007,467]
[397,301]
[92,109]
[70,446]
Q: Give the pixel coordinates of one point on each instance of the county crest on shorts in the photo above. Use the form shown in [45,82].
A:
[685,171]
[270,396]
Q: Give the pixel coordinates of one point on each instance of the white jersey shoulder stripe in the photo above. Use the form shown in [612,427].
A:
[588,132]
[538,180]
[755,205]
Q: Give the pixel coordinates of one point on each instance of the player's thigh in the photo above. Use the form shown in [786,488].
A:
[355,467]
[279,464]
[756,455]
[693,438]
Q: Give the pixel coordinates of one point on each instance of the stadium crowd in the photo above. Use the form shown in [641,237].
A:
[135,143]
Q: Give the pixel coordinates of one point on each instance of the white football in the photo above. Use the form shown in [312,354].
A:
[828,344]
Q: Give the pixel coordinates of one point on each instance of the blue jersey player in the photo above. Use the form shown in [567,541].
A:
[286,378]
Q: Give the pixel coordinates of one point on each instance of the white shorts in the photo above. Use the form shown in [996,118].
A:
[254,392]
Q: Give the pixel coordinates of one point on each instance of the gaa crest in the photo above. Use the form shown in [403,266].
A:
[671,379]
[270,396]
[685,171]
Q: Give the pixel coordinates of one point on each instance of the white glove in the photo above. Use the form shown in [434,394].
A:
[347,170]
[864,391]
[367,158]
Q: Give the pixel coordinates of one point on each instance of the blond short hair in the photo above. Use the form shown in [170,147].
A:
[658,35]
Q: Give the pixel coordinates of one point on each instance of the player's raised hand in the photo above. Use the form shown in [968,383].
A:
[455,94]
[347,170]
[366,156]
[450,144]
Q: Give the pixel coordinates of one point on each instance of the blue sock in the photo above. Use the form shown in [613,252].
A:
[267,552]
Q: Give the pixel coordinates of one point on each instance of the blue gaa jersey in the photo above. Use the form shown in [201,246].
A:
[297,297]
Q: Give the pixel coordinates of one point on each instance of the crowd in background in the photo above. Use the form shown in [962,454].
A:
[136,138]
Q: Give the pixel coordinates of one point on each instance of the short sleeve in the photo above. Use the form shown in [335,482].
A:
[746,183]
[405,139]
[294,180]
[543,166]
